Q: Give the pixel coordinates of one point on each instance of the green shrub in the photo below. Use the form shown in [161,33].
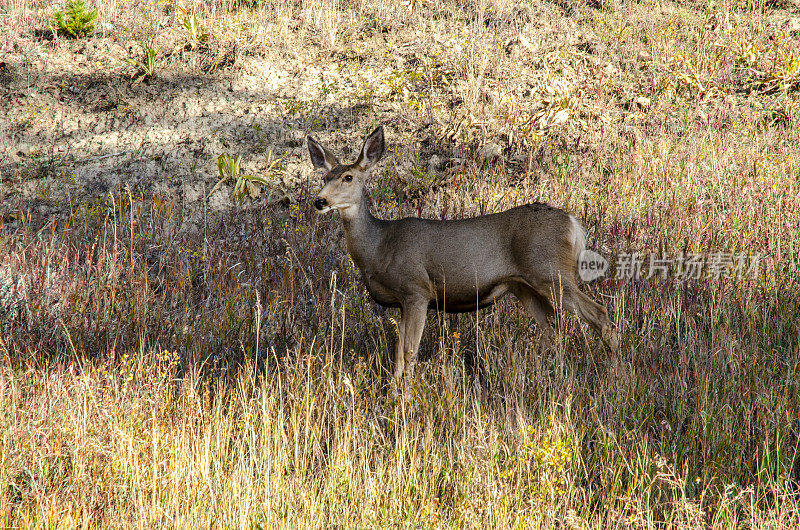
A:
[145,68]
[244,185]
[197,35]
[78,22]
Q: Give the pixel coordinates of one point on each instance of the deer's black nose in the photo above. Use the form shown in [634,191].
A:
[319,204]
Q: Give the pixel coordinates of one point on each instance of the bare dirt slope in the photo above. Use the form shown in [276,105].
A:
[448,80]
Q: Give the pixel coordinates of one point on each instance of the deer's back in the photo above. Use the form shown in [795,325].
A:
[473,259]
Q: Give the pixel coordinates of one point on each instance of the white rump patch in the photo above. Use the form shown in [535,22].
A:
[578,237]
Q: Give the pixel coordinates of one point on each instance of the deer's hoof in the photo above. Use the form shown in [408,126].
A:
[611,338]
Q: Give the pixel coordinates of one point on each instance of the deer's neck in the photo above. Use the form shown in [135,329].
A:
[363,233]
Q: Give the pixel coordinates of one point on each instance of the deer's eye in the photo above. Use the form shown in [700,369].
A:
[347,178]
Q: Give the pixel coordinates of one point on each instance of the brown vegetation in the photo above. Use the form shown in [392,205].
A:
[171,358]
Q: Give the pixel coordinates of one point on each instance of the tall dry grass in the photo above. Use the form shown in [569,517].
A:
[159,371]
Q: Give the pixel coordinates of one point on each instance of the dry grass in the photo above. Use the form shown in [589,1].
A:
[167,363]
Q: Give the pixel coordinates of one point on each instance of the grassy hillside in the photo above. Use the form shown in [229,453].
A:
[175,353]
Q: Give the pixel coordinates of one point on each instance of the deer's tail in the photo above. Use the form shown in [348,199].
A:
[578,237]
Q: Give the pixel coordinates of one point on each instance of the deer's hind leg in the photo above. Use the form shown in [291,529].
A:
[593,313]
[540,309]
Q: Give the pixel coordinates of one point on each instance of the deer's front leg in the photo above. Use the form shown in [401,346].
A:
[414,314]
[399,353]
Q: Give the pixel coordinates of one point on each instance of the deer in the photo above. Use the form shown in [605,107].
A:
[455,266]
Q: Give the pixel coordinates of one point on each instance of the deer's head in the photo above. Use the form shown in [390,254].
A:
[344,183]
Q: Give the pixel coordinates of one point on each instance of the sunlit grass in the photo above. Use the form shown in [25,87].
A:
[162,368]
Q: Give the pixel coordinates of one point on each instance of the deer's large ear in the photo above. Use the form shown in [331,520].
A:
[321,157]
[373,149]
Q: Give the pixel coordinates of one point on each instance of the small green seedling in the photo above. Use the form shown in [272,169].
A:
[245,185]
[145,68]
[197,34]
[78,22]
